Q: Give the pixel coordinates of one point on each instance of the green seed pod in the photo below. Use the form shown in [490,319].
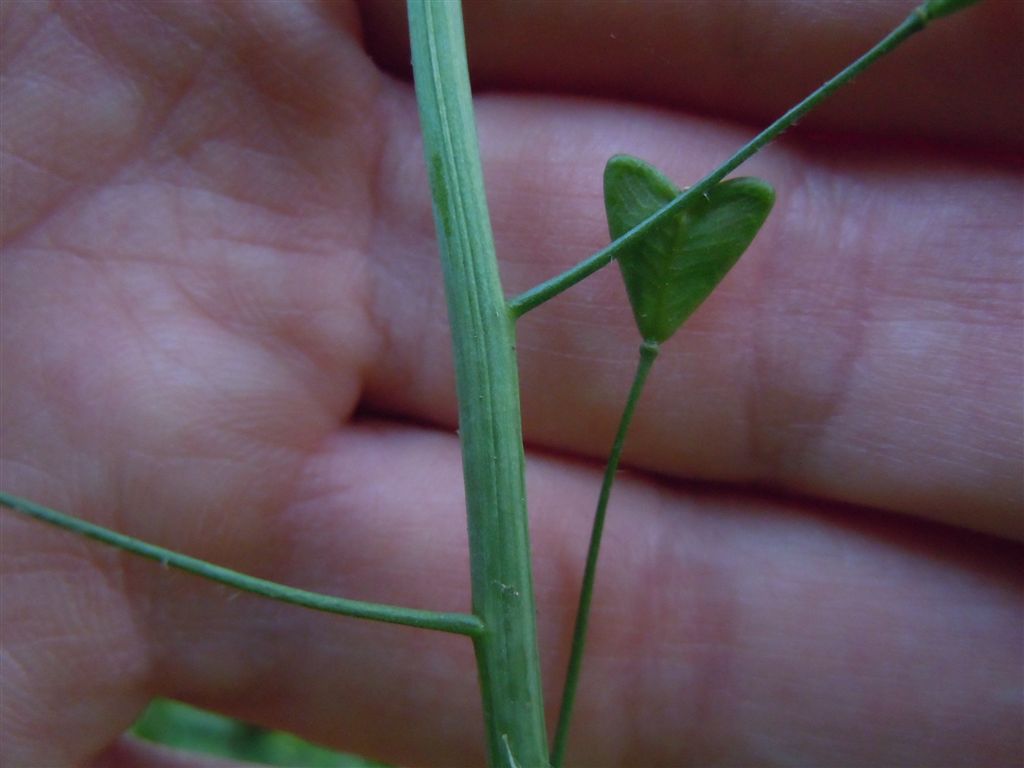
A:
[676,264]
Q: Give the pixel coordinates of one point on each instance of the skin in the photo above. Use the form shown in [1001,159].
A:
[223,331]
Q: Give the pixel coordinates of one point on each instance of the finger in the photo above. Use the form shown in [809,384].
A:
[865,349]
[727,629]
[747,60]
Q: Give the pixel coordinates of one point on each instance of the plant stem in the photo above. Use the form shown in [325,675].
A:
[648,354]
[487,385]
[915,22]
[456,623]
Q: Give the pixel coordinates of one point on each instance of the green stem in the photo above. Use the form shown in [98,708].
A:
[487,385]
[915,22]
[456,623]
[648,354]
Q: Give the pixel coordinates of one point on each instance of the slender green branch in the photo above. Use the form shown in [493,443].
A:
[648,354]
[915,22]
[487,385]
[934,9]
[456,623]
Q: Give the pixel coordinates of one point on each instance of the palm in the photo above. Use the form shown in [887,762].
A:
[223,331]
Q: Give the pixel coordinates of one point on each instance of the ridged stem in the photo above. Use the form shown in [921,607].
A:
[487,385]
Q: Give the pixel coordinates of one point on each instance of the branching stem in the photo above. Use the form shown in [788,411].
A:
[536,296]
[456,623]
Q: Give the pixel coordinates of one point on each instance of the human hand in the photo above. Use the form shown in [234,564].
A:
[223,331]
